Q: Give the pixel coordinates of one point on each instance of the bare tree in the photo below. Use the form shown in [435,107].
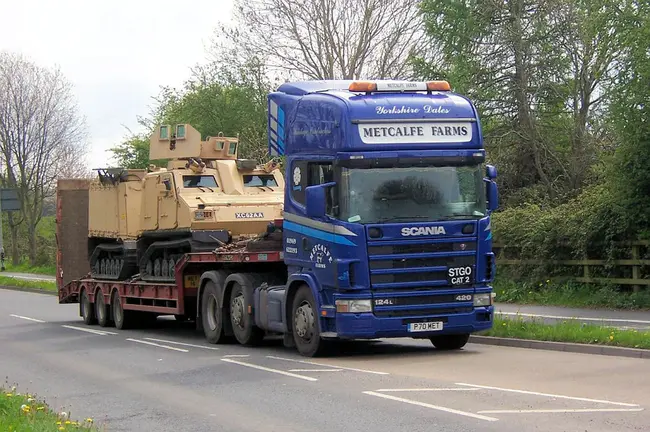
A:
[40,134]
[325,39]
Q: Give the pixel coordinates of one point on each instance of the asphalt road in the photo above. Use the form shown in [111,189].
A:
[167,378]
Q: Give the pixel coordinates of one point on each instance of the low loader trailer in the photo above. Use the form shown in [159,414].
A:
[384,229]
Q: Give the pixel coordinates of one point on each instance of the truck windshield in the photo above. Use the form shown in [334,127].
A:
[198,181]
[373,195]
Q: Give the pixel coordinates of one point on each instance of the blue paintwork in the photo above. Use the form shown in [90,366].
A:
[317,121]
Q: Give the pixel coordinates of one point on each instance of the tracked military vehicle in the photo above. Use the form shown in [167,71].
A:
[142,221]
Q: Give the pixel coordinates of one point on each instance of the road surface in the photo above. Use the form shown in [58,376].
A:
[167,378]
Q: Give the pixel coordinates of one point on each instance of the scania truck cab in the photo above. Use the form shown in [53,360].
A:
[387,211]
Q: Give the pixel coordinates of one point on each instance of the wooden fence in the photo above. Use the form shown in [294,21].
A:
[633,270]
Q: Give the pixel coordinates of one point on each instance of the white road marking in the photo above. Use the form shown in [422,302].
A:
[89,330]
[27,318]
[542,411]
[434,407]
[182,343]
[237,355]
[315,370]
[329,366]
[548,395]
[306,378]
[158,345]
[574,318]
[426,390]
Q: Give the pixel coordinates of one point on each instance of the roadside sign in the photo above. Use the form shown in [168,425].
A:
[9,200]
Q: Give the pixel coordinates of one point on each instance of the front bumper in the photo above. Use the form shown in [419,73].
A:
[368,326]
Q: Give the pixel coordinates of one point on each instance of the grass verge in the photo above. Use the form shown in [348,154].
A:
[568,331]
[24,412]
[23,283]
[570,294]
[49,270]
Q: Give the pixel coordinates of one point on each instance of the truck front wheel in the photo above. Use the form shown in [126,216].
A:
[304,316]
[450,342]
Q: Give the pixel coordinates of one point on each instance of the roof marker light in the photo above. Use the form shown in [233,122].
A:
[438,86]
[363,86]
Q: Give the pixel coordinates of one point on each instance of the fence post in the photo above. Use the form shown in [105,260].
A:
[635,267]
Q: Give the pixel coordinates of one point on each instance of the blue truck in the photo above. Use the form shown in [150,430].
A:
[385,231]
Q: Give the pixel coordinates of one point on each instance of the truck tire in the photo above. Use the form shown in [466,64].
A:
[450,342]
[243,324]
[102,310]
[86,309]
[211,313]
[123,319]
[304,324]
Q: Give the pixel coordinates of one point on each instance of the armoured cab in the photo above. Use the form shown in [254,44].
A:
[203,199]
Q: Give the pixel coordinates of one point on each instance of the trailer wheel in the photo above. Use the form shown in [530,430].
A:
[304,324]
[86,309]
[123,319]
[450,342]
[211,313]
[101,310]
[243,324]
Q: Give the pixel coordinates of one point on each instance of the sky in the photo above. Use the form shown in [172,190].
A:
[116,54]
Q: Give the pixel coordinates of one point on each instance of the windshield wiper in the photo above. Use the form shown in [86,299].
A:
[460,216]
[401,218]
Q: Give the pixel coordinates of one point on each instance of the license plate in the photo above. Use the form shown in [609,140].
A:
[425,326]
[460,275]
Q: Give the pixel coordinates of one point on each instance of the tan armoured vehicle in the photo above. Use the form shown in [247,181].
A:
[143,221]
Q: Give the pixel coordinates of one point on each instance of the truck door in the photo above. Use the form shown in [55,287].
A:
[168,213]
[150,207]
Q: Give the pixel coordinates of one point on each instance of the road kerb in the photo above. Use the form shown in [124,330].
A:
[562,346]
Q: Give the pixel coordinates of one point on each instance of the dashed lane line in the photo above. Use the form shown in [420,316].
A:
[182,344]
[89,330]
[426,390]
[328,366]
[433,407]
[280,372]
[158,345]
[315,370]
[548,395]
[561,411]
[238,355]
[27,318]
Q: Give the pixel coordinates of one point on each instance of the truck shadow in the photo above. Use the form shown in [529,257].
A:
[166,327]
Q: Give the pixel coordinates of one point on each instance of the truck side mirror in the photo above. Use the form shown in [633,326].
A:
[492,192]
[490,172]
[316,200]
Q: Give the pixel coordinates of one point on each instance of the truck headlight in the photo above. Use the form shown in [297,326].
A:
[353,306]
[482,299]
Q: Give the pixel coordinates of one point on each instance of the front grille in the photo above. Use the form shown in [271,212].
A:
[409,279]
[415,312]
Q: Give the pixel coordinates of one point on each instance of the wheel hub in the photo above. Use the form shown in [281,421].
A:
[237,310]
[304,321]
